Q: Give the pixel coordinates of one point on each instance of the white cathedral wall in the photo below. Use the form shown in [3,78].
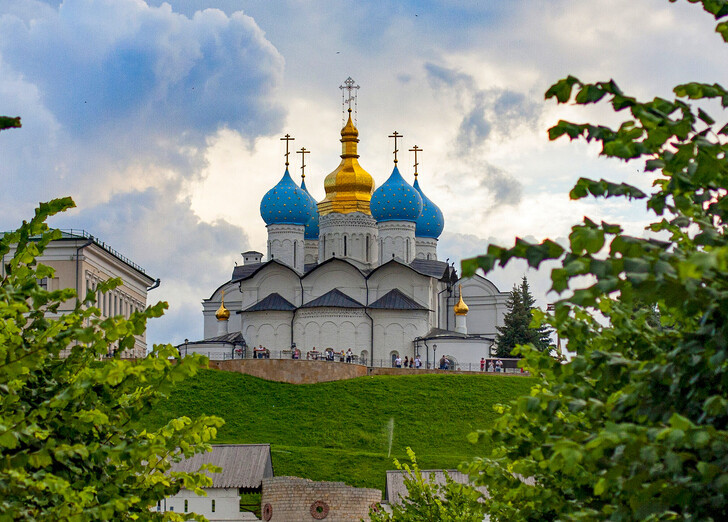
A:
[310,250]
[409,282]
[396,241]
[272,279]
[233,302]
[354,229]
[395,331]
[270,330]
[335,274]
[426,248]
[487,305]
[286,244]
[336,328]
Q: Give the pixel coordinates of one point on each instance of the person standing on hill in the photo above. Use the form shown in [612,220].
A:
[418,363]
[398,362]
[406,361]
[482,364]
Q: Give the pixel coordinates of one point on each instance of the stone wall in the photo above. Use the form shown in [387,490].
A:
[286,499]
[410,371]
[292,371]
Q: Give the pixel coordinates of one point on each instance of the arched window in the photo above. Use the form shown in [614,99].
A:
[406,252]
[295,253]
[186,506]
[345,249]
[213,505]
[367,248]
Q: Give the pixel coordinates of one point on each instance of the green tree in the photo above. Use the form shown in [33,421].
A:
[428,501]
[517,327]
[71,441]
[634,427]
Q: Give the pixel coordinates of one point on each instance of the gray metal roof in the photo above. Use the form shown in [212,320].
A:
[396,300]
[308,267]
[439,333]
[336,299]
[396,490]
[243,271]
[430,267]
[243,465]
[272,302]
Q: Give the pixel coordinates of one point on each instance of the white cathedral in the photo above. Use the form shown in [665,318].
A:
[356,271]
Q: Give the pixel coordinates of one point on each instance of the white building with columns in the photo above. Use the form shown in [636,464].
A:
[358,270]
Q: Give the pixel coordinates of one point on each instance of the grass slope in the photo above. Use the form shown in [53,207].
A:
[340,431]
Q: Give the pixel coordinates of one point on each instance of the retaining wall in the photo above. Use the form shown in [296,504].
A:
[294,371]
[285,499]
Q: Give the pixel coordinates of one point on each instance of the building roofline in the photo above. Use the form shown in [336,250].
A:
[76,234]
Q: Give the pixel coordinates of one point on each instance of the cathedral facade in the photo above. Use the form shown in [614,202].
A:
[359,270]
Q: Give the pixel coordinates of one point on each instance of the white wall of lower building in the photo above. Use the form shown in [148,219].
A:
[395,330]
[226,504]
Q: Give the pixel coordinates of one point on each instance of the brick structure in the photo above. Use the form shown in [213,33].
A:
[287,499]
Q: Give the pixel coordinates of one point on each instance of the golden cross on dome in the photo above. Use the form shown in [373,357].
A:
[396,135]
[416,149]
[303,153]
[287,138]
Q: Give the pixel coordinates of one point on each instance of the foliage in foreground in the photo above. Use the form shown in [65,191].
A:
[517,327]
[634,427]
[427,500]
[69,437]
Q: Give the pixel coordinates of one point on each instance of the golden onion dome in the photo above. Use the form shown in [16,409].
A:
[348,188]
[461,308]
[222,314]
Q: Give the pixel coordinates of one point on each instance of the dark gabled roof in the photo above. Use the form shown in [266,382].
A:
[335,299]
[243,465]
[430,267]
[230,338]
[308,267]
[396,300]
[243,271]
[273,302]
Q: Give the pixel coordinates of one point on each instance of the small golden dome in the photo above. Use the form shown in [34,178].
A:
[222,314]
[348,188]
[461,308]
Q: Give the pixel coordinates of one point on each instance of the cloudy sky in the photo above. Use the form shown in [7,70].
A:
[162,119]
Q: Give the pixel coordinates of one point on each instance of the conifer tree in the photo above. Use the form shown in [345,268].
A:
[516,327]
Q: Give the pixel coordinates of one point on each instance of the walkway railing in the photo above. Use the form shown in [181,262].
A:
[509,365]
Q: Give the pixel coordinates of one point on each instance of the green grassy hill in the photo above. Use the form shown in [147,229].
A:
[340,431]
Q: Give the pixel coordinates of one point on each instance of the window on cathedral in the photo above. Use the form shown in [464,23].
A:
[345,250]
[186,506]
[367,248]
[295,257]
[213,505]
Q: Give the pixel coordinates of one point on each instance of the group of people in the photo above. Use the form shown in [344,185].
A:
[331,355]
[261,353]
[496,367]
[414,362]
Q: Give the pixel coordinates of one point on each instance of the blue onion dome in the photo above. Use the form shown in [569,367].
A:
[396,200]
[286,203]
[431,221]
[312,225]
